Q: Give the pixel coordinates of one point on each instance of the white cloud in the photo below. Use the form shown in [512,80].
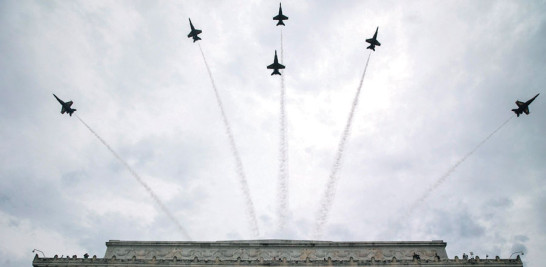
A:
[445,76]
[20,237]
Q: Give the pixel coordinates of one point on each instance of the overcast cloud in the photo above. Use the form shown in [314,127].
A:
[446,75]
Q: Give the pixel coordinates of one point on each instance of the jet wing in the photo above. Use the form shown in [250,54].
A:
[275,66]
[526,110]
[373,41]
[63,110]
[69,103]
[194,33]
[280,17]
[519,103]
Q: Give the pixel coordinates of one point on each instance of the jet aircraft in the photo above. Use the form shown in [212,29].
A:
[66,106]
[523,107]
[275,66]
[194,33]
[373,41]
[280,17]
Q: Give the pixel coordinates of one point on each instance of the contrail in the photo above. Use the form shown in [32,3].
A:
[443,178]
[239,164]
[139,179]
[282,191]
[330,192]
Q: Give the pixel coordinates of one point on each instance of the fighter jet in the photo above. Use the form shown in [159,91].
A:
[275,66]
[373,41]
[280,17]
[66,106]
[523,107]
[194,33]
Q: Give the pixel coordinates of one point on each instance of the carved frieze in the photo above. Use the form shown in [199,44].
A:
[275,250]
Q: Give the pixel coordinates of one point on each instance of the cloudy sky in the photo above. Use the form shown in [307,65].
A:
[445,77]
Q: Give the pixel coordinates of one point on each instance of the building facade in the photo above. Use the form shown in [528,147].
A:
[273,253]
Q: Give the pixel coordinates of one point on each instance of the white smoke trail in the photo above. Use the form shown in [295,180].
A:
[139,180]
[443,178]
[330,192]
[282,191]
[251,214]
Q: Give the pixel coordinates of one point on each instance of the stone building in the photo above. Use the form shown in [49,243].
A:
[273,253]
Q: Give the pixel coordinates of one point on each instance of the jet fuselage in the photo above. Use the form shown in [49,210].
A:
[66,106]
[194,32]
[373,41]
[280,17]
[523,107]
[275,66]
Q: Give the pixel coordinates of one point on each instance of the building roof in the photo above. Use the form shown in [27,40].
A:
[273,252]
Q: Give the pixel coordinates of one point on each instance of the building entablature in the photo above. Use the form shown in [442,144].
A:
[94,261]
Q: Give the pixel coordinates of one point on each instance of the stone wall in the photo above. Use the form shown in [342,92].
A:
[273,253]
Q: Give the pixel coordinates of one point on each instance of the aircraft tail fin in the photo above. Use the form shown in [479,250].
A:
[280,23]
[196,38]
[276,71]
[372,47]
[516,111]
